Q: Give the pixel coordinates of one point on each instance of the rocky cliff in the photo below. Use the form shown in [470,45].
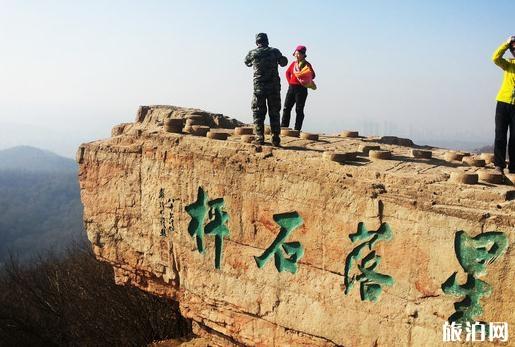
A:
[328,240]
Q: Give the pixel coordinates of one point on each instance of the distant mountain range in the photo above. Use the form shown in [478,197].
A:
[33,159]
[40,204]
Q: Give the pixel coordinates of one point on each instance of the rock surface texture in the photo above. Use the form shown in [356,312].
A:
[136,187]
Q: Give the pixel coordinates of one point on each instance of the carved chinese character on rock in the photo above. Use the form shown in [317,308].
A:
[163,221]
[288,222]
[217,225]
[370,281]
[474,254]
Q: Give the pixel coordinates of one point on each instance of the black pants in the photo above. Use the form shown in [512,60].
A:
[296,95]
[504,120]
[259,102]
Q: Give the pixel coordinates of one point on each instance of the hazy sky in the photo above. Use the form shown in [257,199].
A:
[70,70]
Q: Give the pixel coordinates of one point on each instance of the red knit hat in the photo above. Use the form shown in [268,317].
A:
[301,49]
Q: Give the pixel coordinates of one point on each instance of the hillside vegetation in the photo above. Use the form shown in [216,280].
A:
[72,300]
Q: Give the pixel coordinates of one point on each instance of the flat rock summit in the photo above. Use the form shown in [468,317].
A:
[328,240]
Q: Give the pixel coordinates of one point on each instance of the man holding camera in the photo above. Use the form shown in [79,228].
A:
[267,87]
[505,111]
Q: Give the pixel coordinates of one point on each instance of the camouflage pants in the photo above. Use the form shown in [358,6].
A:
[259,108]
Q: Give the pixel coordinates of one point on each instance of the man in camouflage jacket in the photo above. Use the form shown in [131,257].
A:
[267,87]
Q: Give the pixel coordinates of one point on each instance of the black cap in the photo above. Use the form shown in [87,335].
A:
[262,39]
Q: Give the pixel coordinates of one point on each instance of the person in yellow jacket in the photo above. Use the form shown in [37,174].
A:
[505,111]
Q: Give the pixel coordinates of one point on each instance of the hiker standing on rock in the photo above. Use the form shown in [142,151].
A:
[300,75]
[267,87]
[505,111]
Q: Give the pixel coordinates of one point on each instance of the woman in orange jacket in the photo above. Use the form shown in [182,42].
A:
[300,75]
